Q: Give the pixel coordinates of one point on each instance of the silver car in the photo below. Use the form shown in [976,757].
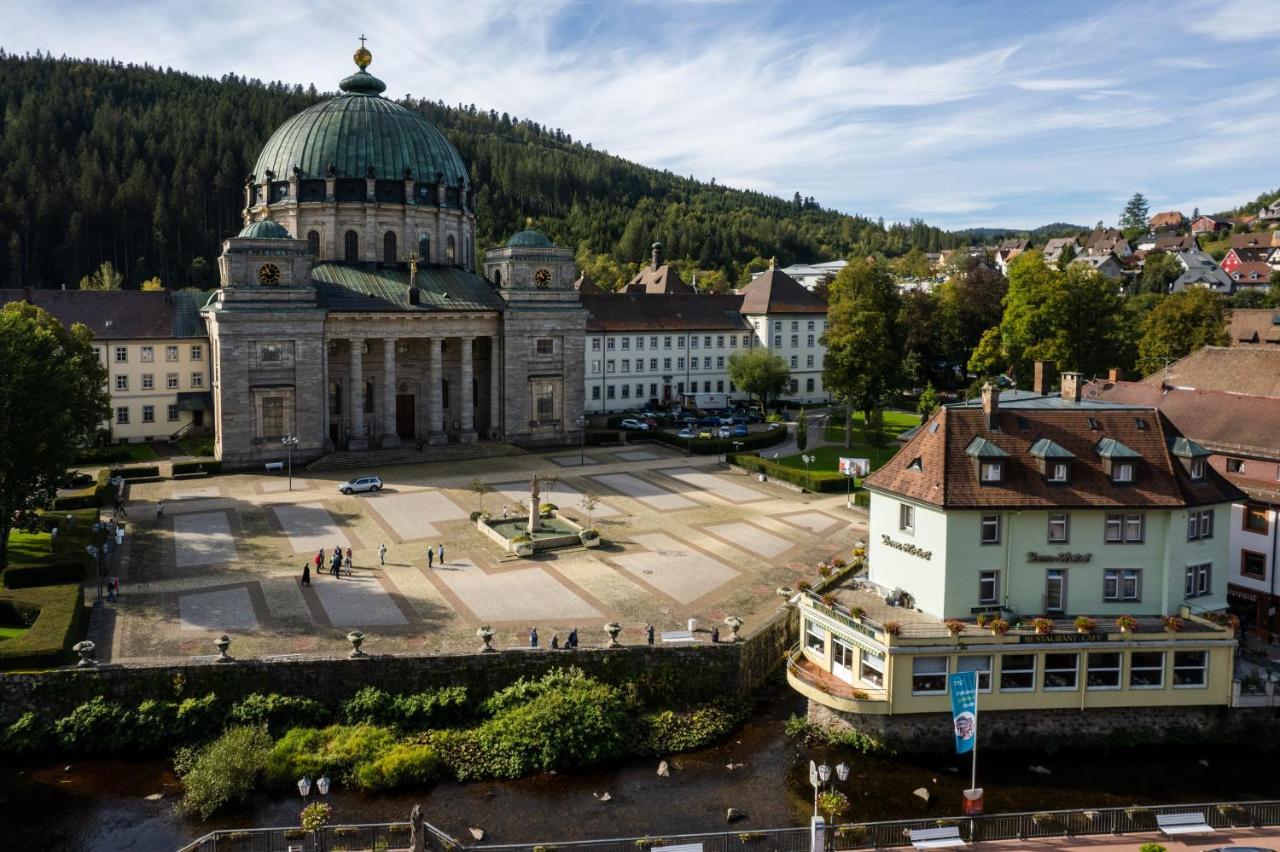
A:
[363,483]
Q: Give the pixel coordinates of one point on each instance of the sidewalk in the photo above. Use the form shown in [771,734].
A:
[1261,838]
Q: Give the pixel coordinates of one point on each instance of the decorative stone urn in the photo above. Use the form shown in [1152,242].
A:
[589,538]
[523,548]
[222,643]
[613,628]
[735,624]
[486,635]
[85,649]
[356,638]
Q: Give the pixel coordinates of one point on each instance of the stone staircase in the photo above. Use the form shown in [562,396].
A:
[373,460]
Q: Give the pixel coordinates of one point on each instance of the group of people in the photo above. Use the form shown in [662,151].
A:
[570,641]
[337,564]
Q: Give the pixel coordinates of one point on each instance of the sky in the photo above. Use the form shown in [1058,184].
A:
[963,114]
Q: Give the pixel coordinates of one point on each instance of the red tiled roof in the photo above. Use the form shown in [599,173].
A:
[610,312]
[1255,238]
[660,281]
[776,292]
[1241,370]
[1252,272]
[1254,327]
[948,477]
[1216,419]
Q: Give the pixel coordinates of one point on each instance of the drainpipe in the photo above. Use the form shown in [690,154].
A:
[1275,539]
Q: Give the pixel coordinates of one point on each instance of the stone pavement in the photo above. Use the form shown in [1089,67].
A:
[683,538]
[1262,838]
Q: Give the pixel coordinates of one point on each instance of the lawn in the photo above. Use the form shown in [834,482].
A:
[140,452]
[32,548]
[196,446]
[827,458]
[7,632]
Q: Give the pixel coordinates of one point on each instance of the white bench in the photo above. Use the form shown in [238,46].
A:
[936,838]
[273,466]
[1172,824]
[677,637]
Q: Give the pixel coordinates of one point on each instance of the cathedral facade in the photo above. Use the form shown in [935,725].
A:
[349,316]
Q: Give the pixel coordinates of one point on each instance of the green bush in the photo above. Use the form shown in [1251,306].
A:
[223,772]
[669,731]
[148,471]
[67,569]
[817,480]
[184,468]
[403,765]
[59,625]
[97,725]
[155,725]
[29,734]
[713,446]
[278,713]
[88,499]
[337,750]
[526,689]
[596,437]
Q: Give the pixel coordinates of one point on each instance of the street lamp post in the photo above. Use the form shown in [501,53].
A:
[582,440]
[807,461]
[290,441]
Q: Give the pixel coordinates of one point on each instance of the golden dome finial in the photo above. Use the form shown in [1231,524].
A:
[528,221]
[363,57]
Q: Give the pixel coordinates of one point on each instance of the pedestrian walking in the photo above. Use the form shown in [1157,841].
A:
[319,560]
[382,554]
[431,556]
[440,554]
[111,590]
[555,641]
[505,511]
[573,638]
[715,634]
[348,554]
[306,573]
[533,637]
[53,539]
[159,509]
[349,565]
[648,633]
[123,510]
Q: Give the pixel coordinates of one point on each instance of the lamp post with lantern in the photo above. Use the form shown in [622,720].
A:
[290,441]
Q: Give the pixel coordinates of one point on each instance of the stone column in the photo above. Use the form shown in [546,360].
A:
[495,389]
[437,435]
[389,436]
[356,439]
[467,420]
[324,379]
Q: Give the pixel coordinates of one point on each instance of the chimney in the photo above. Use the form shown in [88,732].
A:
[1113,375]
[1071,387]
[990,403]
[657,257]
[1039,384]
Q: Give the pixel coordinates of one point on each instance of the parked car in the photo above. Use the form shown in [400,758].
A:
[686,433]
[754,417]
[72,479]
[740,431]
[363,483]
[634,425]
[777,425]
[705,433]
[709,421]
[726,421]
[724,432]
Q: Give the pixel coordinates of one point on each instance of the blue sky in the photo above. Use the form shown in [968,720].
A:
[959,113]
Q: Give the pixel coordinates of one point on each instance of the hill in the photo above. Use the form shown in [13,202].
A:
[145,167]
[1044,232]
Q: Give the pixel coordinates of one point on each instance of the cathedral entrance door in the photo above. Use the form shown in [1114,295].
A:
[404,416]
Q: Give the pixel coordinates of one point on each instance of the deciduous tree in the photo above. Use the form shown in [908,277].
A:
[1179,325]
[760,373]
[1159,270]
[864,349]
[104,278]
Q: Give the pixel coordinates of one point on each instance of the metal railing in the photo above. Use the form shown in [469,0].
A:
[867,835]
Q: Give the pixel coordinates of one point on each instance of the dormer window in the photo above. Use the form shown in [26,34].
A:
[992,471]
[1059,472]
[1193,457]
[1122,472]
[1053,460]
[1118,461]
[1197,469]
[989,460]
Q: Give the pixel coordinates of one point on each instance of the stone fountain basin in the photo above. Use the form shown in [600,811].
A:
[555,531]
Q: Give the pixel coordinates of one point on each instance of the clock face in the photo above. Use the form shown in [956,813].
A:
[269,273]
[542,278]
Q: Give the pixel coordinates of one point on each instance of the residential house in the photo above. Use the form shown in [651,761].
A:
[1104,241]
[1254,239]
[1106,264]
[1058,515]
[810,274]
[1209,225]
[1252,275]
[1056,245]
[1250,254]
[1167,221]
[1228,401]
[1270,213]
[1200,270]
[1249,327]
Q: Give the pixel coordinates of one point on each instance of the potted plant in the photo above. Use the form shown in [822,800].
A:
[589,537]
[954,626]
[837,563]
[523,545]
[824,570]
[829,600]
[984,619]
[999,627]
[857,612]
[1173,623]
[804,585]
[893,628]
[1127,623]
[1085,624]
[486,635]
[1042,626]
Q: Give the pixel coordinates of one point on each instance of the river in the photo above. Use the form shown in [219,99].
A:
[102,804]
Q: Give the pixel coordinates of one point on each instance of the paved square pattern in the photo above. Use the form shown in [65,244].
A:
[724,487]
[196,493]
[646,492]
[573,461]
[202,538]
[435,505]
[275,486]
[751,538]
[220,610]
[359,601]
[811,521]
[562,495]
[637,455]
[524,594]
[406,514]
[674,568]
[309,527]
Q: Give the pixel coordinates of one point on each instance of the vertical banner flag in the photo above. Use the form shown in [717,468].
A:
[964,709]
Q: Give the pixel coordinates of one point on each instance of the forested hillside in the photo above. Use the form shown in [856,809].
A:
[145,168]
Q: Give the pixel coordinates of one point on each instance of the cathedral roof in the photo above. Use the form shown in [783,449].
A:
[357,131]
[265,230]
[440,288]
[529,238]
[776,292]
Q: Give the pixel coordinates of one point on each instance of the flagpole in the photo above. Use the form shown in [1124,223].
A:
[973,774]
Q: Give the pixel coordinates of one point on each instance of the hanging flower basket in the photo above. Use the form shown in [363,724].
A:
[1042,626]
[1127,623]
[1173,623]
[999,627]
[1085,624]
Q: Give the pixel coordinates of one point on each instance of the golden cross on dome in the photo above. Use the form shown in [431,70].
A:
[362,39]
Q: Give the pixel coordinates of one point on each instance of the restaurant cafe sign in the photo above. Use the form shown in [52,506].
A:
[1032,556]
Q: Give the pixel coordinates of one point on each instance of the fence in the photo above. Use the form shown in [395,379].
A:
[867,835]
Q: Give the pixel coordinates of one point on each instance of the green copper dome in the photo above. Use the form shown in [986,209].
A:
[265,230]
[356,131]
[529,238]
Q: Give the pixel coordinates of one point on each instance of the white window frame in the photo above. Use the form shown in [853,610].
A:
[1063,520]
[916,674]
[1059,471]
[991,578]
[968,663]
[1122,473]
[875,664]
[148,414]
[122,355]
[1004,659]
[197,352]
[815,638]
[173,414]
[991,471]
[197,380]
[1120,578]
[171,381]
[1198,580]
[1203,669]
[1117,669]
[907,518]
[989,523]
[122,381]
[122,415]
[1133,669]
[1197,468]
[1074,671]
[148,354]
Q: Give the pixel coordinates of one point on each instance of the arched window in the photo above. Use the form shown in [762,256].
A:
[351,247]
[389,247]
[313,243]
[451,251]
[424,248]
[497,277]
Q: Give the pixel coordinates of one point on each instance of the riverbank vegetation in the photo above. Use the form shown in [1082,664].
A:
[379,741]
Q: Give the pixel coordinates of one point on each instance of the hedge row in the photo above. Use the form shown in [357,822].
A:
[67,569]
[596,437]
[59,625]
[714,446]
[818,480]
[88,499]
[179,468]
[141,472]
[110,454]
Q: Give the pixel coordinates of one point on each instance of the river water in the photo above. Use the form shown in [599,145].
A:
[102,804]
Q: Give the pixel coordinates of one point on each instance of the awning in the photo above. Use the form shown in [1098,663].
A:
[195,401]
[1243,594]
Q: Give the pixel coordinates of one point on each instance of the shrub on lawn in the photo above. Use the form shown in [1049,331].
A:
[58,626]
[816,480]
[29,734]
[336,750]
[402,765]
[66,569]
[434,708]
[97,725]
[225,771]
[669,731]
[185,468]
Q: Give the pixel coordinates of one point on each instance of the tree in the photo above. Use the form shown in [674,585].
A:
[928,402]
[913,264]
[480,488]
[873,428]
[1066,256]
[53,398]
[969,303]
[864,351]
[152,285]
[1179,325]
[104,278]
[760,373]
[989,357]
[1135,212]
[588,503]
[802,431]
[1159,271]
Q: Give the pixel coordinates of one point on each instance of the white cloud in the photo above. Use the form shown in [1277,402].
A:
[1062,84]
[1233,20]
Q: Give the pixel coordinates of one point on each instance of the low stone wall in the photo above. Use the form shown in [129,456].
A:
[1028,730]
[691,673]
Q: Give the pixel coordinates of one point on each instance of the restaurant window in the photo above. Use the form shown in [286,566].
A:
[980,664]
[1104,670]
[929,676]
[815,638]
[1017,672]
[1146,670]
[872,670]
[1253,565]
[1190,669]
[1061,671]
[841,655]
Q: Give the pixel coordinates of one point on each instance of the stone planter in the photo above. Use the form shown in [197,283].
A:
[589,540]
[222,643]
[735,624]
[85,649]
[486,635]
[356,638]
[613,629]
[523,549]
